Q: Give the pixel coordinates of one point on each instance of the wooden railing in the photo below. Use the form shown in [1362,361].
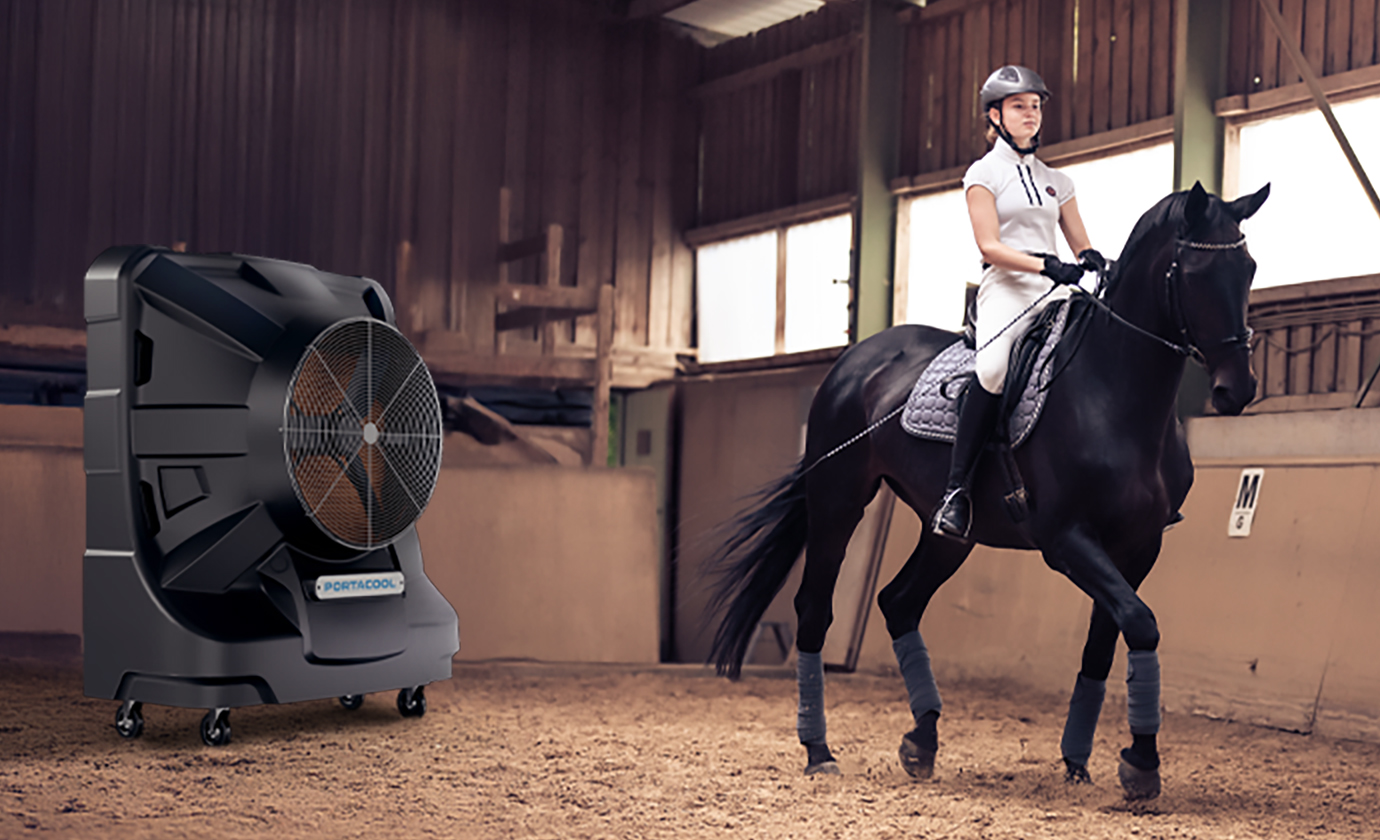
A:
[1317,345]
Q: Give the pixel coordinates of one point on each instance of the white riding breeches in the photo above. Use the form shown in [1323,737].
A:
[1001,298]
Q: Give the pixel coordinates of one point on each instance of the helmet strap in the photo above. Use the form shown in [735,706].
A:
[1000,126]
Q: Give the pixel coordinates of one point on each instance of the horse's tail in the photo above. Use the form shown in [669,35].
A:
[752,565]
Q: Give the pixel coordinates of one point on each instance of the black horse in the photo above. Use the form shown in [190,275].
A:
[1105,468]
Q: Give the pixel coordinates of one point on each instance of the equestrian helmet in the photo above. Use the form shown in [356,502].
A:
[1009,81]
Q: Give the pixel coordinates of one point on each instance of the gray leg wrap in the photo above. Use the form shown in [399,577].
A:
[809,722]
[1143,691]
[914,660]
[1084,709]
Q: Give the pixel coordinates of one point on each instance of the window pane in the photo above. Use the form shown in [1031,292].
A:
[1112,194]
[817,284]
[944,259]
[1318,223]
[736,298]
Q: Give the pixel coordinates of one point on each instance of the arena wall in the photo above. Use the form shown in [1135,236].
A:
[540,562]
[1277,628]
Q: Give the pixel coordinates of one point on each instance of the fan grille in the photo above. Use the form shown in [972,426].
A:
[362,433]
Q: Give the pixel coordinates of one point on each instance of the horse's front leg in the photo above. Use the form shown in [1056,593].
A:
[1085,562]
[1085,707]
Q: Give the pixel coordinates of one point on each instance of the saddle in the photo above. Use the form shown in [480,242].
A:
[932,410]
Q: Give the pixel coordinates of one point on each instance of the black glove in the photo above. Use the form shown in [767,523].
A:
[1092,260]
[1062,272]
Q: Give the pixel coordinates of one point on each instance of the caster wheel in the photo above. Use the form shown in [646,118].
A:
[412,702]
[351,701]
[129,720]
[215,728]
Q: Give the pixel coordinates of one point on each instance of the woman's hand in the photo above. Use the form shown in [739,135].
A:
[1062,272]
[1092,260]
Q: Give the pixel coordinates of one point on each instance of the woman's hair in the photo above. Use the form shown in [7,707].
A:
[990,131]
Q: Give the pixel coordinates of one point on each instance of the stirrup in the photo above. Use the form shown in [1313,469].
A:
[944,505]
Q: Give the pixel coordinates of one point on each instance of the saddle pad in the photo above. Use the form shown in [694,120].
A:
[931,411]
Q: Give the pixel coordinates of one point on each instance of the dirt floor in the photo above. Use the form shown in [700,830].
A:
[542,751]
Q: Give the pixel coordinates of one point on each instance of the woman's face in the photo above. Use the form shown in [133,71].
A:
[1022,115]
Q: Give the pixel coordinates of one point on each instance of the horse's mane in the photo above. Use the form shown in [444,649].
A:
[1168,211]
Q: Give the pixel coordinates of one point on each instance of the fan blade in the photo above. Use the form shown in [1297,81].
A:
[331,497]
[321,386]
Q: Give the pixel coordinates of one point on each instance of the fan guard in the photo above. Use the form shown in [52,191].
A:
[362,433]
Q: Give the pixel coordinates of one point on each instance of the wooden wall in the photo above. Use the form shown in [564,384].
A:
[1316,345]
[1108,64]
[779,115]
[359,136]
[1335,36]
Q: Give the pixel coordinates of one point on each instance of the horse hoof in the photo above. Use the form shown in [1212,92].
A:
[824,768]
[1138,783]
[917,760]
[1076,774]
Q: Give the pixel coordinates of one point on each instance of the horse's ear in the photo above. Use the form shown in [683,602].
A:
[1196,205]
[1245,207]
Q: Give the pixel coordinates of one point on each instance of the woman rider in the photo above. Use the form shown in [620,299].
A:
[1014,203]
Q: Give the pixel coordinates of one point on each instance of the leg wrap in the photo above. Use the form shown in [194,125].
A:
[1084,709]
[809,722]
[914,660]
[1143,691]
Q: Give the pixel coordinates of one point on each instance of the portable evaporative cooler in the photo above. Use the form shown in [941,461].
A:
[260,441]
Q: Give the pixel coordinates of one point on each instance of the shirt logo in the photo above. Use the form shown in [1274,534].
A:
[1050,190]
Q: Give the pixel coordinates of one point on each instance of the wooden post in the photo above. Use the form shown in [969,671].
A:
[555,236]
[603,361]
[505,231]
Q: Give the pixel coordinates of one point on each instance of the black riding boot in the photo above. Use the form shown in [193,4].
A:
[955,515]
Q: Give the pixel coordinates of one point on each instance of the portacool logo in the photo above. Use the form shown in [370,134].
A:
[360,585]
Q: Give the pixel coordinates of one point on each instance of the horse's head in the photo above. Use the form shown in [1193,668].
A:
[1209,287]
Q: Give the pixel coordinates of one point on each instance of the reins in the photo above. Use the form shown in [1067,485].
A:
[1188,349]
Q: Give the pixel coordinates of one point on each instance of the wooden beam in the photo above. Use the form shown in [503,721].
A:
[800,213]
[550,297]
[522,248]
[1352,84]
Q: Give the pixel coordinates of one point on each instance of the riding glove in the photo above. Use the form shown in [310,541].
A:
[1092,260]
[1062,272]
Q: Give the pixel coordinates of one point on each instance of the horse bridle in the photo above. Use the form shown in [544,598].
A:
[1189,348]
[1241,340]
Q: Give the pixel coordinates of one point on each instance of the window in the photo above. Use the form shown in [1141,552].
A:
[737,292]
[1318,223]
[1112,194]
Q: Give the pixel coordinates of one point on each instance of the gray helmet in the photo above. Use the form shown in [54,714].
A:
[1009,81]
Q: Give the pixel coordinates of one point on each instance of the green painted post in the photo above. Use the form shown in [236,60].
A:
[874,218]
[1200,51]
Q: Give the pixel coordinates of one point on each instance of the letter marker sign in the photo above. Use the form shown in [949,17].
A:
[1247,494]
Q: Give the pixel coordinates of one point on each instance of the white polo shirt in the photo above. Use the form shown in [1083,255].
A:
[1028,195]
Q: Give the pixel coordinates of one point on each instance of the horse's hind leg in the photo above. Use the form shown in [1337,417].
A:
[1085,707]
[833,519]
[903,602]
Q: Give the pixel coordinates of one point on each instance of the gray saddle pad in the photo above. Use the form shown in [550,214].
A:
[931,412]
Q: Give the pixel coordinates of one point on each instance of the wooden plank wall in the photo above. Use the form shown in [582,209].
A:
[779,115]
[1316,344]
[1108,64]
[1335,36]
[358,136]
